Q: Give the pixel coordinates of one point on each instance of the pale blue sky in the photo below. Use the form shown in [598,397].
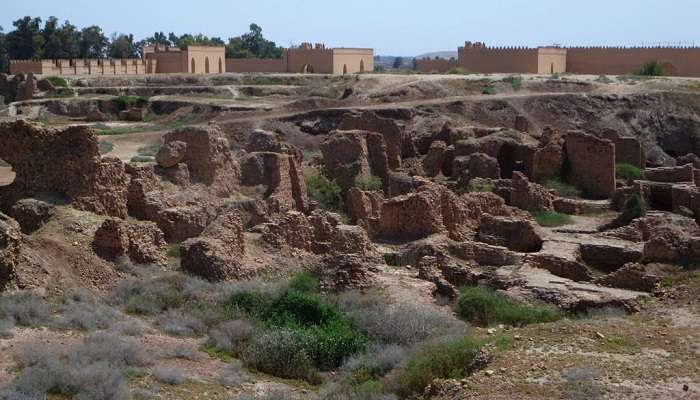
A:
[392,27]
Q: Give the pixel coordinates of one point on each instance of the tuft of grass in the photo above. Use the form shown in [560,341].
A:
[174,250]
[516,82]
[62,92]
[551,218]
[148,151]
[57,81]
[488,90]
[484,307]
[563,188]
[369,184]
[444,359]
[105,147]
[325,191]
[635,207]
[628,172]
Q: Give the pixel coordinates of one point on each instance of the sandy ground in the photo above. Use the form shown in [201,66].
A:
[126,146]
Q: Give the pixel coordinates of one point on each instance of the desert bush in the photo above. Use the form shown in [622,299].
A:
[404,324]
[516,81]
[369,184]
[7,327]
[376,362]
[91,370]
[551,218]
[485,307]
[170,376]
[440,359]
[369,390]
[183,352]
[124,102]
[635,207]
[233,374]
[26,309]
[489,90]
[326,192]
[304,282]
[154,295]
[80,310]
[628,172]
[179,323]
[61,92]
[563,188]
[57,81]
[281,353]
[651,68]
[229,336]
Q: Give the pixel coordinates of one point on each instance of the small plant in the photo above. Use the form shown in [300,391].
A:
[563,188]
[325,191]
[628,172]
[516,82]
[369,184]
[651,68]
[449,358]
[169,376]
[485,307]
[62,92]
[142,159]
[635,207]
[105,147]
[125,102]
[603,79]
[174,250]
[57,81]
[148,151]
[551,218]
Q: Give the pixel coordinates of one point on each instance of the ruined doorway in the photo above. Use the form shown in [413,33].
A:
[221,66]
[307,69]
[552,69]
[345,69]
[193,67]
[509,162]
[206,65]
[362,66]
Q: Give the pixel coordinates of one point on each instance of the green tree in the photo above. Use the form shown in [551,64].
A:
[60,41]
[252,45]
[123,46]
[26,41]
[398,62]
[93,43]
[4,59]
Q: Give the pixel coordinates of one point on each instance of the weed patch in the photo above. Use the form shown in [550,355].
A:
[551,218]
[485,307]
[628,172]
[563,188]
[325,191]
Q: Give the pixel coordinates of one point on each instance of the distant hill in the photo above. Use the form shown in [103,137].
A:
[441,54]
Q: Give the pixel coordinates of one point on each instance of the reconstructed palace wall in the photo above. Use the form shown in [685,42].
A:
[353,61]
[680,61]
[487,60]
[132,66]
[551,60]
[256,65]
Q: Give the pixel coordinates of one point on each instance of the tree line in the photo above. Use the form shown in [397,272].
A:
[30,39]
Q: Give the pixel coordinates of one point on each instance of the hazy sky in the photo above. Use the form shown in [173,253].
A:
[392,27]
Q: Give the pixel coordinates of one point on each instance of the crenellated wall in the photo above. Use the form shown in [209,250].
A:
[676,61]
[131,66]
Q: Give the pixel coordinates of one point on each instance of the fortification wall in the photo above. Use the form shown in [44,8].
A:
[499,59]
[676,61]
[319,61]
[551,60]
[256,65]
[205,59]
[353,61]
[132,66]
[436,65]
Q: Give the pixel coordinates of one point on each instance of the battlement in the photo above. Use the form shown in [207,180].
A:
[95,66]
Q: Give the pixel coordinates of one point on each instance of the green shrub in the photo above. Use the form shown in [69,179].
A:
[57,81]
[651,68]
[62,92]
[490,90]
[628,172]
[124,102]
[142,159]
[445,359]
[516,82]
[325,191]
[304,282]
[635,207]
[105,147]
[317,330]
[563,188]
[551,218]
[369,184]
[485,307]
